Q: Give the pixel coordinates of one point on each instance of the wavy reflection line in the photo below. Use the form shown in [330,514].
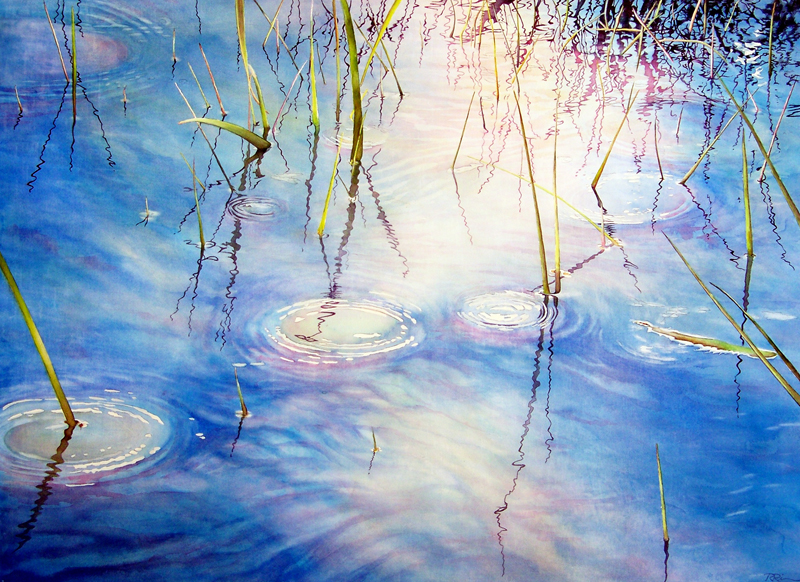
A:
[39,166]
[519,464]
[391,235]
[550,355]
[45,489]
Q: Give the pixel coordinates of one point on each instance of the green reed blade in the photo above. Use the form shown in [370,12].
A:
[240,32]
[208,141]
[194,176]
[321,228]
[197,205]
[748,224]
[542,255]
[707,149]
[555,200]
[262,108]
[583,215]
[764,152]
[663,502]
[463,130]
[771,25]
[792,392]
[358,116]
[381,32]
[247,135]
[196,80]
[37,340]
[763,332]
[312,74]
[338,63]
[239,390]
[631,100]
[74,72]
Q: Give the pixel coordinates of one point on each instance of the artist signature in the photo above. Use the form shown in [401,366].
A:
[779,578]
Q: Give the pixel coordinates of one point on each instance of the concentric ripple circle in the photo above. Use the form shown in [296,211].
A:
[254,208]
[506,310]
[333,330]
[112,435]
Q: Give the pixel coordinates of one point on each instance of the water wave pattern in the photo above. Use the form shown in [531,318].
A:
[329,331]
[506,311]
[254,208]
[112,435]
[114,46]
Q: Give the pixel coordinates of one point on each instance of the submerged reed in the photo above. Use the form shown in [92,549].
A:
[39,343]
[748,224]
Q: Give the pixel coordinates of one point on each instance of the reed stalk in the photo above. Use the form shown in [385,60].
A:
[663,502]
[285,99]
[771,25]
[743,334]
[775,133]
[463,130]
[239,391]
[379,36]
[575,209]
[205,137]
[337,52]
[707,149]
[542,254]
[764,152]
[55,39]
[763,332]
[261,106]
[74,72]
[174,58]
[323,220]
[19,103]
[631,100]
[748,224]
[555,201]
[213,83]
[240,33]
[494,54]
[194,176]
[358,116]
[39,343]
[207,104]
[313,76]
[197,205]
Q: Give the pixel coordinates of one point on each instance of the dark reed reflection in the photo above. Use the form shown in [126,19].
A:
[45,488]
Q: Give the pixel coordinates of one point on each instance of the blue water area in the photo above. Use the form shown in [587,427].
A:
[420,405]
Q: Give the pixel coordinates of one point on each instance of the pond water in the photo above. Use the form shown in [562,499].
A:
[420,406]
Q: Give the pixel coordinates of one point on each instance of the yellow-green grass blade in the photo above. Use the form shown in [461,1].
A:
[763,332]
[261,106]
[381,32]
[792,392]
[358,116]
[38,342]
[764,152]
[247,135]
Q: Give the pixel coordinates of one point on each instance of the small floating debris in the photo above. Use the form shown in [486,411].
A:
[506,310]
[706,343]
[330,330]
